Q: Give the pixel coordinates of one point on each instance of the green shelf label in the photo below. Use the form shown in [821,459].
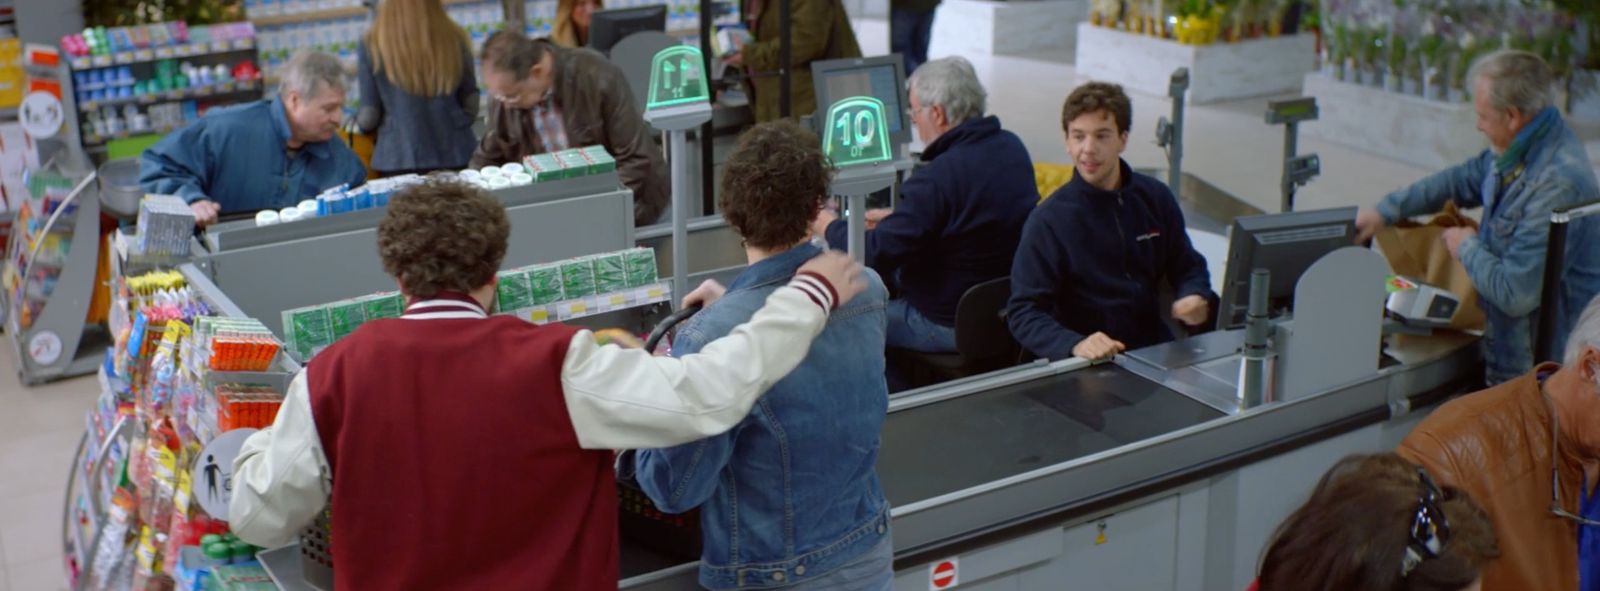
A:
[857,133]
[677,77]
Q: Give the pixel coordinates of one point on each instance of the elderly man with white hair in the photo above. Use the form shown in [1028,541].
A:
[961,213]
[1528,450]
[1534,165]
[268,154]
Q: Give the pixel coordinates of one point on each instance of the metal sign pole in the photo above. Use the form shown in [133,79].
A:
[679,100]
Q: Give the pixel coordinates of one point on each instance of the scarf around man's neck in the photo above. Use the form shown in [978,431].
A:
[1531,134]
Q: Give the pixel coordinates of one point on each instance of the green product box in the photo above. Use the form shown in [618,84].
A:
[599,159]
[309,329]
[545,167]
[512,287]
[385,305]
[574,162]
[577,278]
[610,273]
[641,266]
[544,285]
[346,316]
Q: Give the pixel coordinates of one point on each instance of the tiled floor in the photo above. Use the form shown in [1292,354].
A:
[1227,145]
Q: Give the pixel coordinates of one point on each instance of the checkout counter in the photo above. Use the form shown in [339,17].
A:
[1144,472]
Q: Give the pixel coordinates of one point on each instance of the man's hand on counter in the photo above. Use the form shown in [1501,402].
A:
[205,212]
[1454,237]
[708,293]
[1098,346]
[819,226]
[1368,222]
[1191,310]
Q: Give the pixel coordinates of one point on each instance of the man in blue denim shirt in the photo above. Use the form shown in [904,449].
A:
[1536,164]
[790,497]
[269,154]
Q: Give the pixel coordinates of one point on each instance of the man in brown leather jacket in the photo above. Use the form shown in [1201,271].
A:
[1497,445]
[550,98]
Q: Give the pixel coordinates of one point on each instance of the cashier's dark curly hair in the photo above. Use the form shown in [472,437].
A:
[1098,96]
[1353,533]
[774,184]
[443,235]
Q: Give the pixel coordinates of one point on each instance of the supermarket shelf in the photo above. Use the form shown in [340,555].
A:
[308,16]
[91,140]
[123,58]
[654,293]
[173,95]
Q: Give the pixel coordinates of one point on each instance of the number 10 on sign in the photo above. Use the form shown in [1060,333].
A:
[856,132]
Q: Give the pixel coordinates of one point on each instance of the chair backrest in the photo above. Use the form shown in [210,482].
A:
[981,330]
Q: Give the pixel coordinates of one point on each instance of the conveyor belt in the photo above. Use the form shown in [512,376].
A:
[964,442]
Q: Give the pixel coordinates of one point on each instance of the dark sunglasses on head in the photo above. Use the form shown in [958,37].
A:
[1429,529]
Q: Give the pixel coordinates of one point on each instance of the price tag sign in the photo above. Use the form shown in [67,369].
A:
[856,133]
[677,77]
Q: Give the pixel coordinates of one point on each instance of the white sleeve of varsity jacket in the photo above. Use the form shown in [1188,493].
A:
[279,478]
[627,398]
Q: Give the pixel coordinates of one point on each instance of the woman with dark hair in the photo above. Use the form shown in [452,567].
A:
[1380,523]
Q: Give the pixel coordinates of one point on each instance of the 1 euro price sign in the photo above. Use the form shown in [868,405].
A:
[677,77]
[857,133]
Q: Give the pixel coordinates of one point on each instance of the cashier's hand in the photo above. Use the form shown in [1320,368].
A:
[708,293]
[1454,237]
[205,212]
[819,226]
[1098,346]
[1368,222]
[840,271]
[876,215]
[1191,310]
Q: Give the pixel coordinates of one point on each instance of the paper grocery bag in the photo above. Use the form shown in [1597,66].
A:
[1417,250]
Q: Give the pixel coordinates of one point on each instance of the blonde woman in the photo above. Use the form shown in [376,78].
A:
[418,90]
[572,22]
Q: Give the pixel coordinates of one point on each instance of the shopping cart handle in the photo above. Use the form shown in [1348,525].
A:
[666,325]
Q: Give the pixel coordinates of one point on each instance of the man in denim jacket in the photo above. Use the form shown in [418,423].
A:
[1536,164]
[789,498]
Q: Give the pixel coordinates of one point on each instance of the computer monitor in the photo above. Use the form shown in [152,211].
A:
[881,77]
[607,27]
[1285,244]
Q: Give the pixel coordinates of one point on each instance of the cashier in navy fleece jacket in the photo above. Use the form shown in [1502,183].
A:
[1087,276]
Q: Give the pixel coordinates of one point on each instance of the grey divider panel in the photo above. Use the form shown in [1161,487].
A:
[1338,323]
[265,280]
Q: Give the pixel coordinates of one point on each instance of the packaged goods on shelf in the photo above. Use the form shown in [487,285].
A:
[577,277]
[544,285]
[641,266]
[610,272]
[166,226]
[512,290]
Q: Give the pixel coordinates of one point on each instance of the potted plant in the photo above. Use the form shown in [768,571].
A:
[1338,51]
[1372,57]
[1431,53]
[1395,63]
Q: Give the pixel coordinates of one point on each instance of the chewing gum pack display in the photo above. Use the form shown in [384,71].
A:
[641,266]
[544,285]
[512,289]
[577,278]
[610,272]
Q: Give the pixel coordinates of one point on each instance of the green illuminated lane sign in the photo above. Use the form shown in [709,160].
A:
[677,77]
[857,133]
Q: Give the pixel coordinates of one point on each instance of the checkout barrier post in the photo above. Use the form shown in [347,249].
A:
[678,101]
[1555,256]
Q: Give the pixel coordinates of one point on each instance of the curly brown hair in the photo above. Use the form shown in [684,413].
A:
[443,235]
[1098,96]
[1353,533]
[774,184]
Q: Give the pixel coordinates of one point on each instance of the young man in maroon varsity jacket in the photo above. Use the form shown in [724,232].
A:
[469,451]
